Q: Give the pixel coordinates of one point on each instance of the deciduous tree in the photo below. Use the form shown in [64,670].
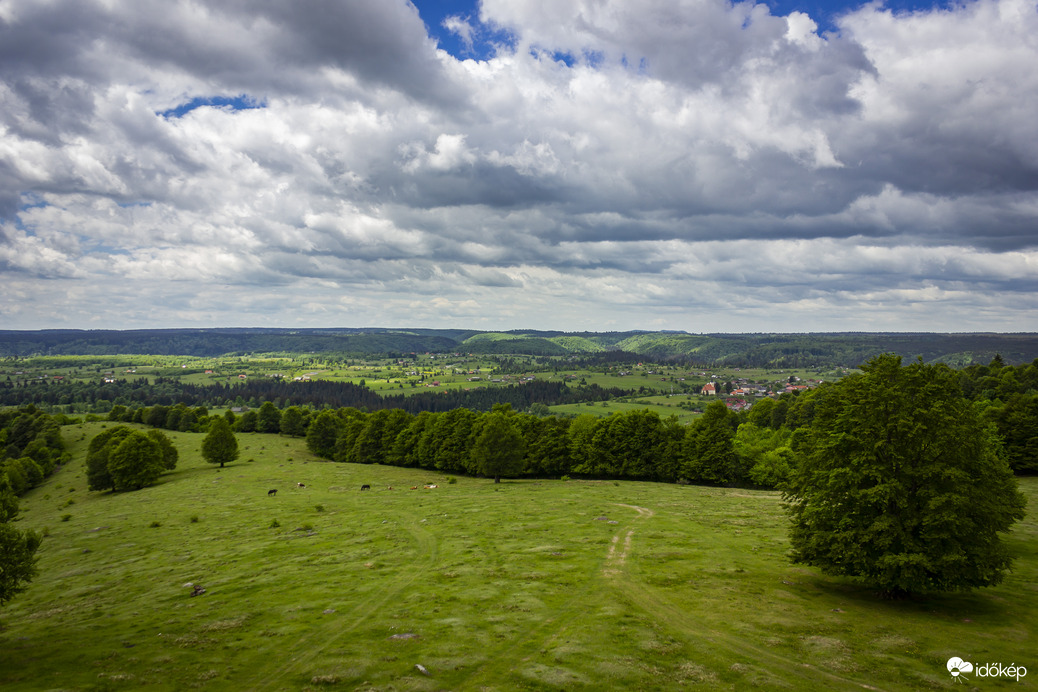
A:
[292,422]
[220,446]
[17,548]
[710,448]
[269,418]
[498,449]
[98,452]
[323,433]
[136,462]
[899,484]
[169,450]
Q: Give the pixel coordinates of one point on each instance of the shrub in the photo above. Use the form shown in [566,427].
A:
[66,517]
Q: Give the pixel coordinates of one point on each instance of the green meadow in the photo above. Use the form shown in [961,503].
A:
[534,584]
[662,405]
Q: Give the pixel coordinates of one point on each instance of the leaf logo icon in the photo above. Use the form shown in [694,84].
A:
[956,666]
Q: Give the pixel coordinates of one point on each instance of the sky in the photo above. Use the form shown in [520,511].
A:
[589,165]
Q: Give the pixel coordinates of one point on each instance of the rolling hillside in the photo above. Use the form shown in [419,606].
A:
[733,350]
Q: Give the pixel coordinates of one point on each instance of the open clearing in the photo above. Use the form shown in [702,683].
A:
[533,584]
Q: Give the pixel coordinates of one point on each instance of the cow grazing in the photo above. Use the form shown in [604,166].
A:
[365,487]
[300,485]
[272,492]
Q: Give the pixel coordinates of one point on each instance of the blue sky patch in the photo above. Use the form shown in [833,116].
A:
[235,103]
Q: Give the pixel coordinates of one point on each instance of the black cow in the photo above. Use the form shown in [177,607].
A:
[365,487]
[272,492]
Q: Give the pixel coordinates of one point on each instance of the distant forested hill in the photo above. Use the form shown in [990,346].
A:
[216,342]
[733,350]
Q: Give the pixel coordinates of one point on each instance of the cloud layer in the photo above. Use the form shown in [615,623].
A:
[680,164]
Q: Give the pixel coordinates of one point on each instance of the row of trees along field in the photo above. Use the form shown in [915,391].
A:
[31,448]
[752,447]
[100,396]
[720,447]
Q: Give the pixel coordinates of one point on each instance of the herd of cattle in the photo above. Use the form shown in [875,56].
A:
[274,491]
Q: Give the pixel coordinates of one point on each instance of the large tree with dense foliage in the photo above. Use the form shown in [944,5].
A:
[1017,423]
[710,449]
[900,484]
[547,445]
[110,465]
[98,452]
[633,444]
[17,548]
[220,446]
[169,450]
[293,422]
[451,438]
[405,448]
[323,433]
[351,423]
[136,462]
[269,418]
[498,448]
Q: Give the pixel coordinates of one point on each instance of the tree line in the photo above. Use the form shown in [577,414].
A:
[752,448]
[1008,398]
[721,446]
[31,448]
[93,396]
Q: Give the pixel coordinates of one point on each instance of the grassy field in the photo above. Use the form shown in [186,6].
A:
[541,585]
[662,405]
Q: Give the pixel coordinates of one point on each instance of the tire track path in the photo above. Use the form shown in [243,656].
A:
[680,618]
[614,561]
[571,614]
[296,659]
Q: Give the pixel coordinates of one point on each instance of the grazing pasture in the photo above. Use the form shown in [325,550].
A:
[210,580]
